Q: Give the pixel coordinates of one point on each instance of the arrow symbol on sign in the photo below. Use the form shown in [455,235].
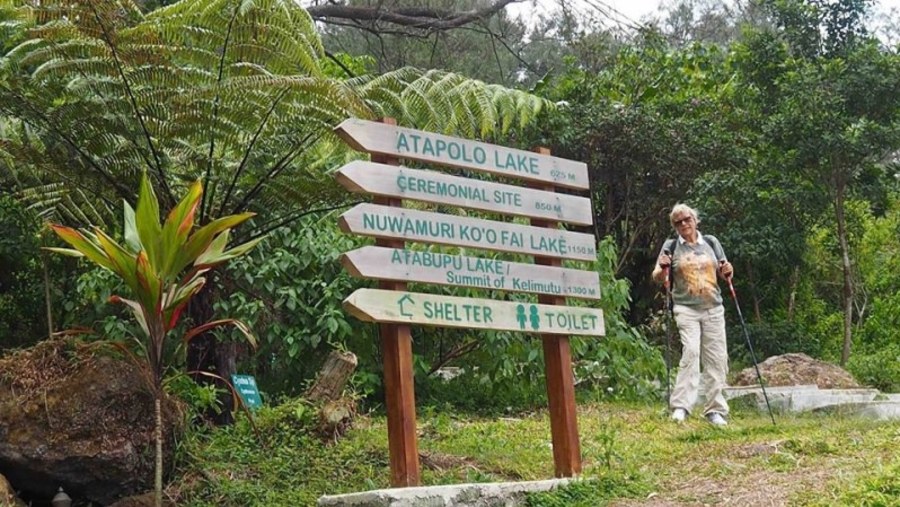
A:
[402,300]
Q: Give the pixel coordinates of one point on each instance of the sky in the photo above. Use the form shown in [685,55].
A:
[628,11]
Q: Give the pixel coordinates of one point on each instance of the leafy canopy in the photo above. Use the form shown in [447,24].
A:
[233,93]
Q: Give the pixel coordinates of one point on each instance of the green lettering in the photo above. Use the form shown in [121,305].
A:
[446,230]
[402,145]
[428,148]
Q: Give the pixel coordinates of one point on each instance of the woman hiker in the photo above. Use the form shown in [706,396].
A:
[695,260]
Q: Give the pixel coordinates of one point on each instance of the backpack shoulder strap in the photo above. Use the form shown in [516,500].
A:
[669,245]
[714,243]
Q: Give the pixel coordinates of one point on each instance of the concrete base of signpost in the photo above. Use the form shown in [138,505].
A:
[500,494]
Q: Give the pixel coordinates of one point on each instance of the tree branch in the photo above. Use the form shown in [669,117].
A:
[340,64]
[215,116]
[243,164]
[107,39]
[281,221]
[422,18]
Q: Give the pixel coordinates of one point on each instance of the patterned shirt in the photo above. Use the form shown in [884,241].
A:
[694,268]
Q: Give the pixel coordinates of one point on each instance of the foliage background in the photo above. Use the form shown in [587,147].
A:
[752,114]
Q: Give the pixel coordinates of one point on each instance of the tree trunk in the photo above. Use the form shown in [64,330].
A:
[792,296]
[47,300]
[333,376]
[157,435]
[204,354]
[226,366]
[847,293]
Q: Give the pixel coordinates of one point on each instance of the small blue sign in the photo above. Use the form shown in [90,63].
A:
[246,388]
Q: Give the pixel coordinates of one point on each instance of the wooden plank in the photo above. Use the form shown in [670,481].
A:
[427,227]
[411,144]
[434,187]
[463,271]
[376,305]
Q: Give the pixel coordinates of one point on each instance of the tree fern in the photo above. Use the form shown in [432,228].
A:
[232,92]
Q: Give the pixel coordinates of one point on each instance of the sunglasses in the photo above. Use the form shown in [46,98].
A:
[678,223]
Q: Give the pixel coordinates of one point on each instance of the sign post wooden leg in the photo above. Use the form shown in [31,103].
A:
[561,396]
[396,344]
[399,391]
[560,378]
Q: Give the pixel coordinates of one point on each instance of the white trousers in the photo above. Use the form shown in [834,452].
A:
[703,342]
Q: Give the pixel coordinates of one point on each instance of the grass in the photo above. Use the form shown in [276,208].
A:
[633,455]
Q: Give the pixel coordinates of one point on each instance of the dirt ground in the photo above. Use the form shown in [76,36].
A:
[757,489]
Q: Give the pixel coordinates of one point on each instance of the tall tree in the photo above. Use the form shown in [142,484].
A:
[233,93]
[496,48]
[647,126]
[835,109]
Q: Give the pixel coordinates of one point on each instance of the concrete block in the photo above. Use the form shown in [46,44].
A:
[779,396]
[801,401]
[501,494]
[883,410]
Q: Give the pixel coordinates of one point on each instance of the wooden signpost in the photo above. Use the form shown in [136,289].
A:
[437,228]
[374,305]
[395,308]
[439,188]
[463,271]
[398,142]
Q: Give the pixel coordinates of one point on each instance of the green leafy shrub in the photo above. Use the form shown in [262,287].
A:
[879,369]
[507,369]
[882,326]
[291,291]
[770,338]
[476,393]
[22,318]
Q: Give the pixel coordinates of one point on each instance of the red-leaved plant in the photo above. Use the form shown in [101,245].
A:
[164,265]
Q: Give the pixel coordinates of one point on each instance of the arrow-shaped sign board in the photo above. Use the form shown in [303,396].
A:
[376,305]
[380,138]
[444,269]
[413,225]
[435,187]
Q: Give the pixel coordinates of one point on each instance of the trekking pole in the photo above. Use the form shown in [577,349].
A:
[670,317]
[750,347]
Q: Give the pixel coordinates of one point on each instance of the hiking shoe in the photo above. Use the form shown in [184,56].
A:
[679,414]
[716,419]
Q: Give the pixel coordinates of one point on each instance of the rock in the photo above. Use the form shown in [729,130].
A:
[797,369]
[8,495]
[72,417]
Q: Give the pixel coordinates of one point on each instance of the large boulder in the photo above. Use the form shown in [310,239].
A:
[797,369]
[8,495]
[73,417]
